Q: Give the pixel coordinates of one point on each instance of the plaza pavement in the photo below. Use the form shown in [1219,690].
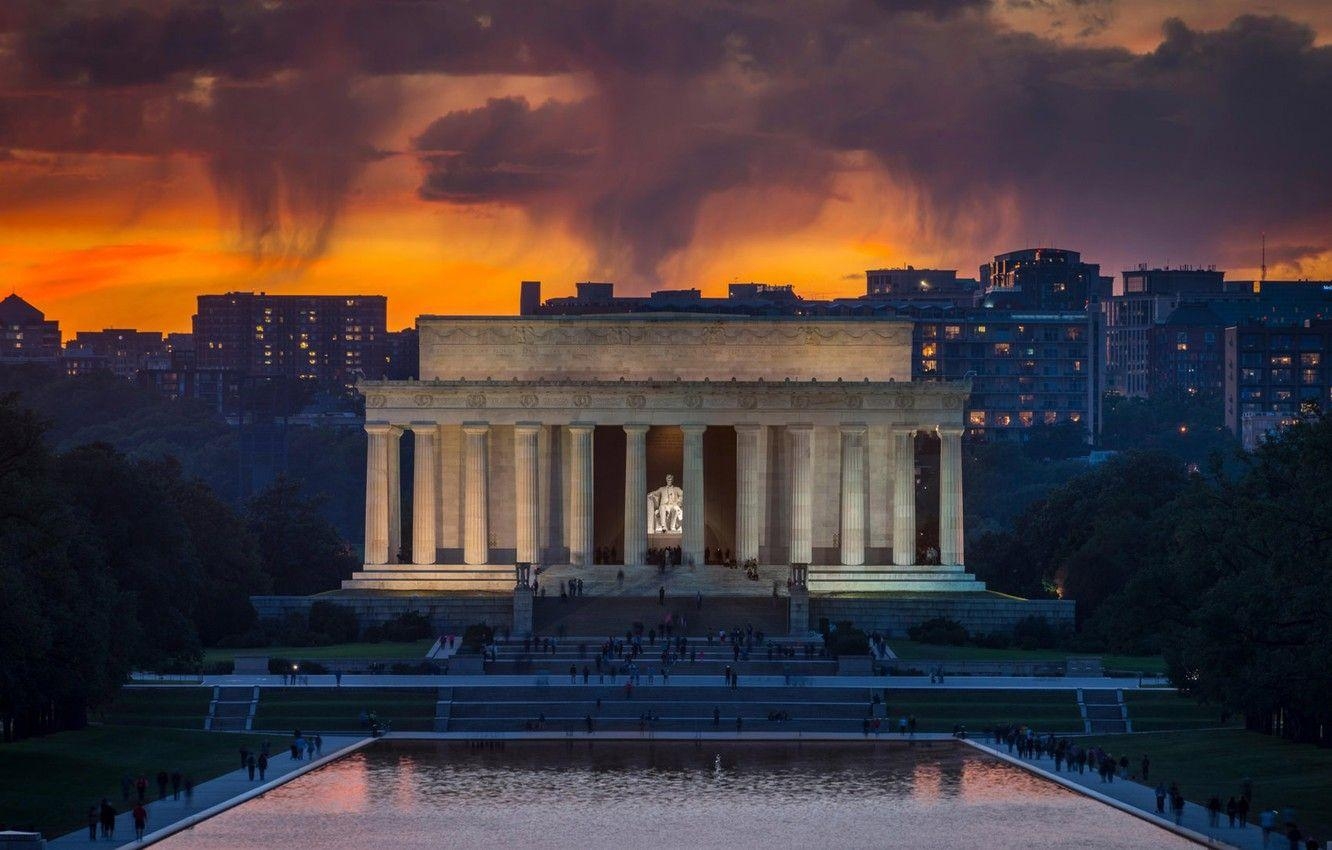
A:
[1140,800]
[1053,683]
[168,816]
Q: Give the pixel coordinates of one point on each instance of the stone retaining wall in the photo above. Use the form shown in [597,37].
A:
[983,614]
[446,613]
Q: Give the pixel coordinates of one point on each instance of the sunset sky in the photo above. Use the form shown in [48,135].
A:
[439,152]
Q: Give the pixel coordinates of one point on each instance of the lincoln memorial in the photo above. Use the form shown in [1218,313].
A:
[595,446]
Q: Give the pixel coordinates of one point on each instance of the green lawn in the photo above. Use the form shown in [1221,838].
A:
[908,650]
[412,650]
[1155,711]
[181,707]
[938,711]
[1206,763]
[47,784]
[339,709]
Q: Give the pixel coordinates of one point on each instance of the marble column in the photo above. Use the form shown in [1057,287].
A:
[395,495]
[580,493]
[748,492]
[476,530]
[424,502]
[853,494]
[904,496]
[950,495]
[691,544]
[802,492]
[635,494]
[379,435]
[527,507]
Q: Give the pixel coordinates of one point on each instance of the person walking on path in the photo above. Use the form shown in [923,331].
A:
[175,784]
[94,818]
[250,765]
[141,787]
[1177,803]
[108,817]
[1213,811]
[1267,820]
[1146,767]
[262,765]
[161,784]
[1160,798]
[140,821]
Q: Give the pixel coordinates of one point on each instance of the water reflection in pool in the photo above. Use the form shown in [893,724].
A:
[631,795]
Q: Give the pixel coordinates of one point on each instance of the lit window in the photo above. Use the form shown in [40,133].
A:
[952,331]
[1051,417]
[976,417]
[928,349]
[1026,417]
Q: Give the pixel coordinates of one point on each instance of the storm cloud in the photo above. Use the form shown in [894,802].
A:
[1177,152]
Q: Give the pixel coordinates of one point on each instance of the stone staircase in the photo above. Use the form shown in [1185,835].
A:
[232,709]
[674,709]
[493,578]
[773,658]
[1103,711]
[612,615]
[920,578]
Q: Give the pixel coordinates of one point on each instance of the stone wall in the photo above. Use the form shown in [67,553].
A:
[447,613]
[982,613]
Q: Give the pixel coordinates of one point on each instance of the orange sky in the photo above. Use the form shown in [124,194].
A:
[98,239]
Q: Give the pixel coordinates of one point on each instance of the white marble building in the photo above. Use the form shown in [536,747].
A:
[793,440]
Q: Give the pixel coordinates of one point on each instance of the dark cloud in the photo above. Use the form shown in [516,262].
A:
[1167,154]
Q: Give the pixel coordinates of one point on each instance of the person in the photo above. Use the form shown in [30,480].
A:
[1232,809]
[1242,810]
[161,784]
[1213,811]
[1146,768]
[661,595]
[337,679]
[1177,802]
[175,784]
[141,787]
[189,789]
[573,674]
[1160,798]
[739,723]
[94,818]
[263,765]
[140,821]
[716,717]
[250,765]
[587,719]
[1267,822]
[108,819]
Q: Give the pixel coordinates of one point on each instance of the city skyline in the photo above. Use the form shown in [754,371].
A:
[438,154]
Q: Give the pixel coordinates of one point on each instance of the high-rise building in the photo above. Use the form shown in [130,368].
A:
[25,333]
[1042,279]
[913,284]
[124,351]
[1275,373]
[324,340]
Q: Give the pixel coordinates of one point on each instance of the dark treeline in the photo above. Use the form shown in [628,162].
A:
[1225,568]
[111,563]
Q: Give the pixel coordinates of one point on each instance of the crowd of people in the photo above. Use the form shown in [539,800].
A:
[1067,755]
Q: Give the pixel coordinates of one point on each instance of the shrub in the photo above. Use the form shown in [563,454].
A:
[336,621]
[407,626]
[939,630]
[1035,633]
[373,634]
[846,639]
[477,635]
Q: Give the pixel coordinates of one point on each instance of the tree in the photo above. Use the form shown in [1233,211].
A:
[59,620]
[299,550]
[1246,603]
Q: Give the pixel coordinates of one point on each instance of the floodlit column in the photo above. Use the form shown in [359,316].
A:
[950,495]
[394,494]
[635,494]
[747,492]
[377,492]
[476,484]
[692,542]
[904,496]
[424,500]
[525,476]
[580,493]
[802,493]
[853,494]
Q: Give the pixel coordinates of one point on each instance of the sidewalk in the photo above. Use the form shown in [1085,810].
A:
[167,816]
[1142,800]
[684,680]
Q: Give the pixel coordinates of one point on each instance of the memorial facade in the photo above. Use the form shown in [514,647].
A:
[548,440]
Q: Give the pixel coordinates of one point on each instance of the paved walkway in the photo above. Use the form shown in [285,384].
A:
[215,795]
[1015,683]
[1141,800]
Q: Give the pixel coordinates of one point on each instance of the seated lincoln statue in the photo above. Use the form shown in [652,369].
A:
[666,508]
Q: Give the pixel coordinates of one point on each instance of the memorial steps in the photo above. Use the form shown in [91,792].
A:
[712,659]
[611,615]
[674,709]
[710,580]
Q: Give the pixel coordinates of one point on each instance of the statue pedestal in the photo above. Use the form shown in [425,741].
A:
[665,540]
[522,611]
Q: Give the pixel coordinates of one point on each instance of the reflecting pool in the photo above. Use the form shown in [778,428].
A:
[594,795]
